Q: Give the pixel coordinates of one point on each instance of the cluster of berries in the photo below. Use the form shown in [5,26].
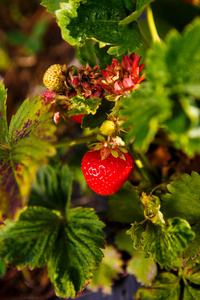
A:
[108,164]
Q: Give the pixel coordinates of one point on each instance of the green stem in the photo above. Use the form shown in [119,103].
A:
[144,171]
[76,141]
[145,40]
[152,27]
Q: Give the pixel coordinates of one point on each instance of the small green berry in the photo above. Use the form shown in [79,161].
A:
[54,79]
[108,127]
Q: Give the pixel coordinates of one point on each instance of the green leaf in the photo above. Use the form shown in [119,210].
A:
[86,53]
[144,269]
[141,5]
[3,122]
[193,274]
[99,21]
[79,105]
[194,247]
[124,242]
[191,293]
[162,243]
[166,286]
[183,200]
[52,5]
[125,207]
[145,110]
[99,117]
[52,188]
[69,244]
[23,148]
[177,61]
[3,268]
[108,270]
[77,252]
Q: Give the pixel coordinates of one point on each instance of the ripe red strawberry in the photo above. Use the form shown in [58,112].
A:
[105,177]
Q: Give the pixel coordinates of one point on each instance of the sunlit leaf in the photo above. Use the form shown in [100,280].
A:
[96,20]
[191,293]
[23,148]
[166,286]
[81,105]
[162,243]
[108,270]
[144,269]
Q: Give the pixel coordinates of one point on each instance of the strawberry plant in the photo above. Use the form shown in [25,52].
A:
[135,102]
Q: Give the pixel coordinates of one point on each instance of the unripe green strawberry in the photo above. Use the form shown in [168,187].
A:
[53,79]
[105,177]
[108,127]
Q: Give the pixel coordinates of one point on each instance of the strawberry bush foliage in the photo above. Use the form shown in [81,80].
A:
[129,96]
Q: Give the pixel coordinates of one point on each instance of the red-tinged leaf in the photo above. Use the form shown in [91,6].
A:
[23,148]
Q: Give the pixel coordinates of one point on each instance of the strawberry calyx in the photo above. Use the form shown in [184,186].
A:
[114,146]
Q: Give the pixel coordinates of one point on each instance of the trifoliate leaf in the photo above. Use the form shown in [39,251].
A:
[125,207]
[191,293]
[108,270]
[183,200]
[144,269]
[162,243]
[23,149]
[52,188]
[80,20]
[68,243]
[81,105]
[145,110]
[166,286]
[193,250]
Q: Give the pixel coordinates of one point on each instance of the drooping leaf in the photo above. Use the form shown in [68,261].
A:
[125,207]
[99,21]
[52,188]
[145,110]
[166,286]
[23,148]
[183,200]
[69,244]
[108,270]
[162,243]
[94,120]
[79,105]
[191,293]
